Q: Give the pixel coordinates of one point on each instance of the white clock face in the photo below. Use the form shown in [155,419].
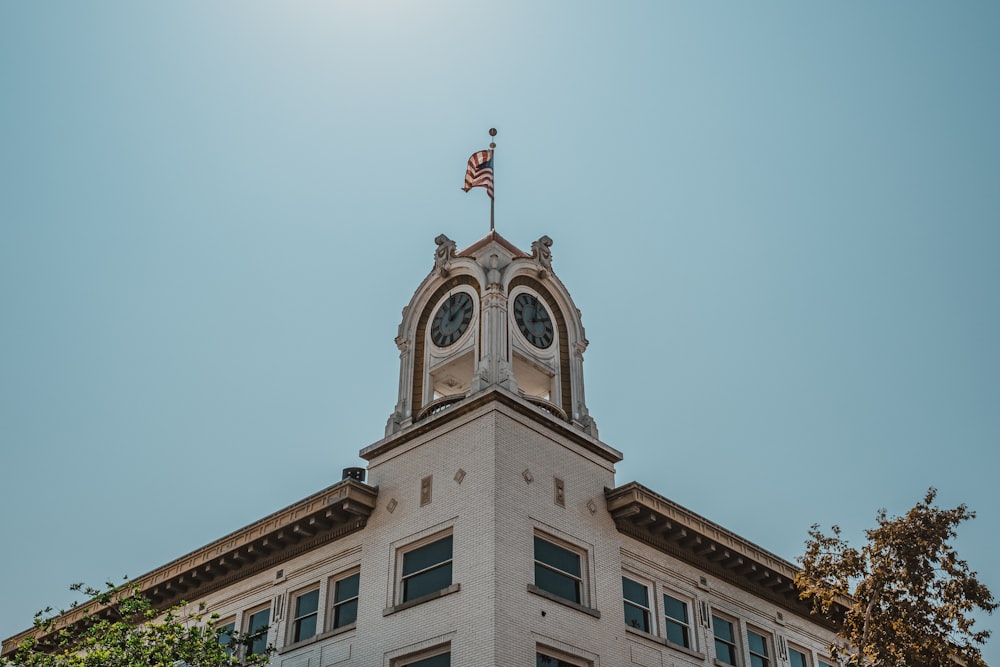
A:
[533,320]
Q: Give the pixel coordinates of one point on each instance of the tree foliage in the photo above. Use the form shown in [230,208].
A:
[908,596]
[120,627]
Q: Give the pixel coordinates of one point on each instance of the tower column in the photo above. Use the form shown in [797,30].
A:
[494,362]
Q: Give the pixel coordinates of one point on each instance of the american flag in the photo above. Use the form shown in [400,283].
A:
[480,172]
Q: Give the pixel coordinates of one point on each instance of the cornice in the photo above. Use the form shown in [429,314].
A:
[500,396]
[321,518]
[648,517]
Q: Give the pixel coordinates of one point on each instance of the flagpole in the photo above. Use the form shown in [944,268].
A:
[493,147]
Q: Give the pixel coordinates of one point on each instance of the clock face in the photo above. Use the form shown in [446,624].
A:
[452,319]
[533,320]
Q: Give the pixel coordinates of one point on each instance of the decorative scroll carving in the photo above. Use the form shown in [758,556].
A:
[540,253]
[444,254]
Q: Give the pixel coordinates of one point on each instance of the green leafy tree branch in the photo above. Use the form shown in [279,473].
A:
[120,627]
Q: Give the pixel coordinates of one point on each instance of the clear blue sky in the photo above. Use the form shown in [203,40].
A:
[781,222]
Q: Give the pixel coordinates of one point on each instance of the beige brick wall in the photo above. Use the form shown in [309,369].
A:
[493,512]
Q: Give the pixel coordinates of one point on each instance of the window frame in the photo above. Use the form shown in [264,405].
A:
[403,580]
[414,658]
[733,643]
[581,580]
[767,658]
[648,611]
[227,627]
[807,660]
[248,629]
[560,657]
[333,605]
[295,619]
[686,625]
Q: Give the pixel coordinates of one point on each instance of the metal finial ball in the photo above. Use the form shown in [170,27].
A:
[493,131]
[492,145]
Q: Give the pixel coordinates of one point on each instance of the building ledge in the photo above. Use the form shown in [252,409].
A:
[649,517]
[321,518]
[497,395]
[663,642]
[454,588]
[563,601]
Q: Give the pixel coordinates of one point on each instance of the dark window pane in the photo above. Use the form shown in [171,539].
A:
[634,591]
[675,609]
[257,629]
[307,604]
[304,628]
[557,557]
[556,583]
[797,658]
[427,555]
[757,643]
[442,660]
[723,629]
[636,617]
[757,661]
[427,582]
[347,588]
[226,636]
[345,614]
[725,653]
[542,660]
[678,634]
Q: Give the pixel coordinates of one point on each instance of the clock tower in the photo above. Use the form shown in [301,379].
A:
[491,315]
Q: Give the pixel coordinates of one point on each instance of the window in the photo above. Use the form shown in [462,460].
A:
[226,631]
[797,658]
[305,612]
[436,658]
[426,569]
[636,600]
[759,655]
[676,617]
[344,605]
[546,660]
[725,640]
[558,570]
[256,630]
[824,664]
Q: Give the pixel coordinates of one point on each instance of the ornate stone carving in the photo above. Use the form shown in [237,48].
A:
[540,253]
[493,274]
[443,255]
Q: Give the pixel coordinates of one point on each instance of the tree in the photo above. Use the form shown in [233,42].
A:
[120,627]
[912,596]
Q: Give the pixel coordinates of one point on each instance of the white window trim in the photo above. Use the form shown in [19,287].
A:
[402,547]
[803,651]
[423,655]
[689,603]
[586,575]
[293,599]
[247,630]
[736,640]
[768,645]
[557,654]
[331,603]
[651,601]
